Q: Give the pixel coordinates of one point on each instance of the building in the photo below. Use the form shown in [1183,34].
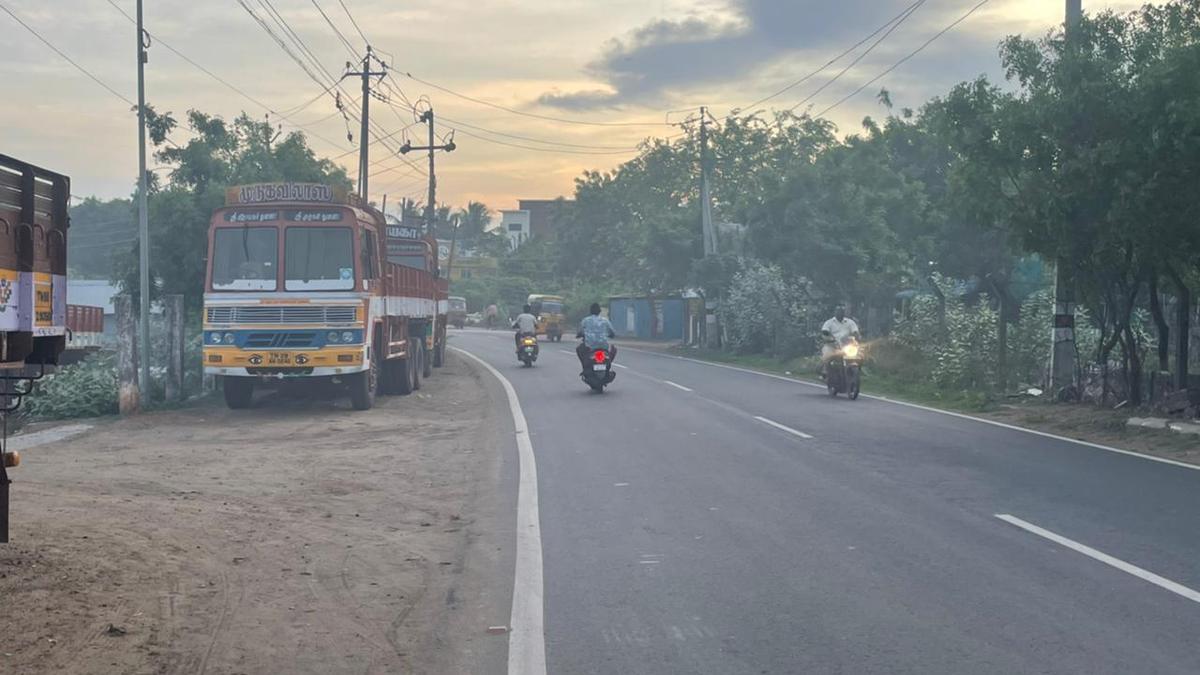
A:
[468,263]
[515,225]
[543,215]
[532,218]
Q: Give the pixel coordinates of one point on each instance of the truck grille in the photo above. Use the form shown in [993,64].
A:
[281,314]
[279,340]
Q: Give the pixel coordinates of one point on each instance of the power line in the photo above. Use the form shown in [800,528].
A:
[908,13]
[68,59]
[818,71]
[901,62]
[522,113]
[349,47]
[353,22]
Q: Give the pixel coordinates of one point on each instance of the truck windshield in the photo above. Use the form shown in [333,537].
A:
[318,259]
[245,259]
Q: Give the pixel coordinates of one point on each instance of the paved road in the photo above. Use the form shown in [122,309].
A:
[683,532]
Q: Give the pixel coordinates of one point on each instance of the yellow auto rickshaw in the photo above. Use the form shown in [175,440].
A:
[551,316]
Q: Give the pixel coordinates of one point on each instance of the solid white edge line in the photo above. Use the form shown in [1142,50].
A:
[964,416]
[677,386]
[781,427]
[1128,568]
[526,637]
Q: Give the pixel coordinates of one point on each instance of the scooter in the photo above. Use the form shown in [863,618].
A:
[599,374]
[843,372]
[527,352]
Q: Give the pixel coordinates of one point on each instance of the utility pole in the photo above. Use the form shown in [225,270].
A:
[364,132]
[710,236]
[1062,358]
[143,39]
[432,147]
[712,330]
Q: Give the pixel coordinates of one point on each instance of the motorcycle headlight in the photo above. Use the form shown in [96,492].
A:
[332,337]
[347,337]
[851,351]
[229,338]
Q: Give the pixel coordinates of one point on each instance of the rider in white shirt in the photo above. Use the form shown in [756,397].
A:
[838,328]
[526,324]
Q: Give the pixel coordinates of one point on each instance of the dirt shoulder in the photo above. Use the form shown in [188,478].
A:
[295,537]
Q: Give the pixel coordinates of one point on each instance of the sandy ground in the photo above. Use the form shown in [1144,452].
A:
[295,537]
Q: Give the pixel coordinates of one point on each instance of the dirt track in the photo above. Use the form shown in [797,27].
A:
[296,537]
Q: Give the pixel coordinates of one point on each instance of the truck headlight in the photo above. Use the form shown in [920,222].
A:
[347,337]
[229,338]
[332,337]
[214,338]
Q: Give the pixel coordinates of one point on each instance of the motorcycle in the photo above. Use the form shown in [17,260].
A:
[843,372]
[600,373]
[527,352]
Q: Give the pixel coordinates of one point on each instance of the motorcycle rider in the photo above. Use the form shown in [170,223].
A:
[836,330]
[526,324]
[595,331]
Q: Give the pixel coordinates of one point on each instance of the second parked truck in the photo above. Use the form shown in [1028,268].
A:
[307,283]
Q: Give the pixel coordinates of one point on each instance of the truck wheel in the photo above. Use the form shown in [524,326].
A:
[399,376]
[363,385]
[239,392]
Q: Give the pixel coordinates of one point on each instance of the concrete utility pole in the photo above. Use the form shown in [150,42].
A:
[143,40]
[1062,359]
[364,132]
[710,235]
[448,146]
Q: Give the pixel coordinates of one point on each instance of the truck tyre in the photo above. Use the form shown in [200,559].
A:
[363,385]
[239,392]
[439,353]
[400,377]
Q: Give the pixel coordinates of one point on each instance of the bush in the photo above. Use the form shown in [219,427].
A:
[85,389]
[766,313]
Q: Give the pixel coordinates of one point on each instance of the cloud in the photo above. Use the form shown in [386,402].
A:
[664,55]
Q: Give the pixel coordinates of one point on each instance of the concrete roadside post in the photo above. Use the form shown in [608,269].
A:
[173,312]
[128,394]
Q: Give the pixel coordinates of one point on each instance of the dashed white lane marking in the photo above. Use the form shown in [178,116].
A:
[1128,568]
[781,427]
[527,640]
[677,386]
[617,365]
[620,484]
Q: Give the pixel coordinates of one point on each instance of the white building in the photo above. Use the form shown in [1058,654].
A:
[515,225]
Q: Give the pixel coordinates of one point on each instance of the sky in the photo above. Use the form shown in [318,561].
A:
[632,66]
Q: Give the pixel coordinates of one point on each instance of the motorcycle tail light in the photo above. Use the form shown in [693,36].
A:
[600,356]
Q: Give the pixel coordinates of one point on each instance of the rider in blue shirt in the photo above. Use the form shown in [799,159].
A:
[595,331]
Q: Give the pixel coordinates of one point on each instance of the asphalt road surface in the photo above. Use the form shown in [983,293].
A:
[699,519]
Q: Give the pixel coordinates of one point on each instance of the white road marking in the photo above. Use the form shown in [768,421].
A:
[1145,575]
[567,351]
[781,427]
[620,484]
[527,639]
[677,386]
[649,562]
[917,406]
[617,365]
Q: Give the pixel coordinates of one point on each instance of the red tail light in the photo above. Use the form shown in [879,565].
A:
[600,356]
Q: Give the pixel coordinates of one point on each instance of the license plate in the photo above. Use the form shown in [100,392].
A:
[279,359]
[599,366]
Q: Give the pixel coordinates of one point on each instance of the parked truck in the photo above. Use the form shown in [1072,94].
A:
[306,282]
[33,289]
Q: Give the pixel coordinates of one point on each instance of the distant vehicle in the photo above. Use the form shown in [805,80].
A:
[456,315]
[305,281]
[550,313]
[33,288]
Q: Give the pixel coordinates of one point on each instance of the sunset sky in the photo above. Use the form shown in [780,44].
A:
[610,61]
